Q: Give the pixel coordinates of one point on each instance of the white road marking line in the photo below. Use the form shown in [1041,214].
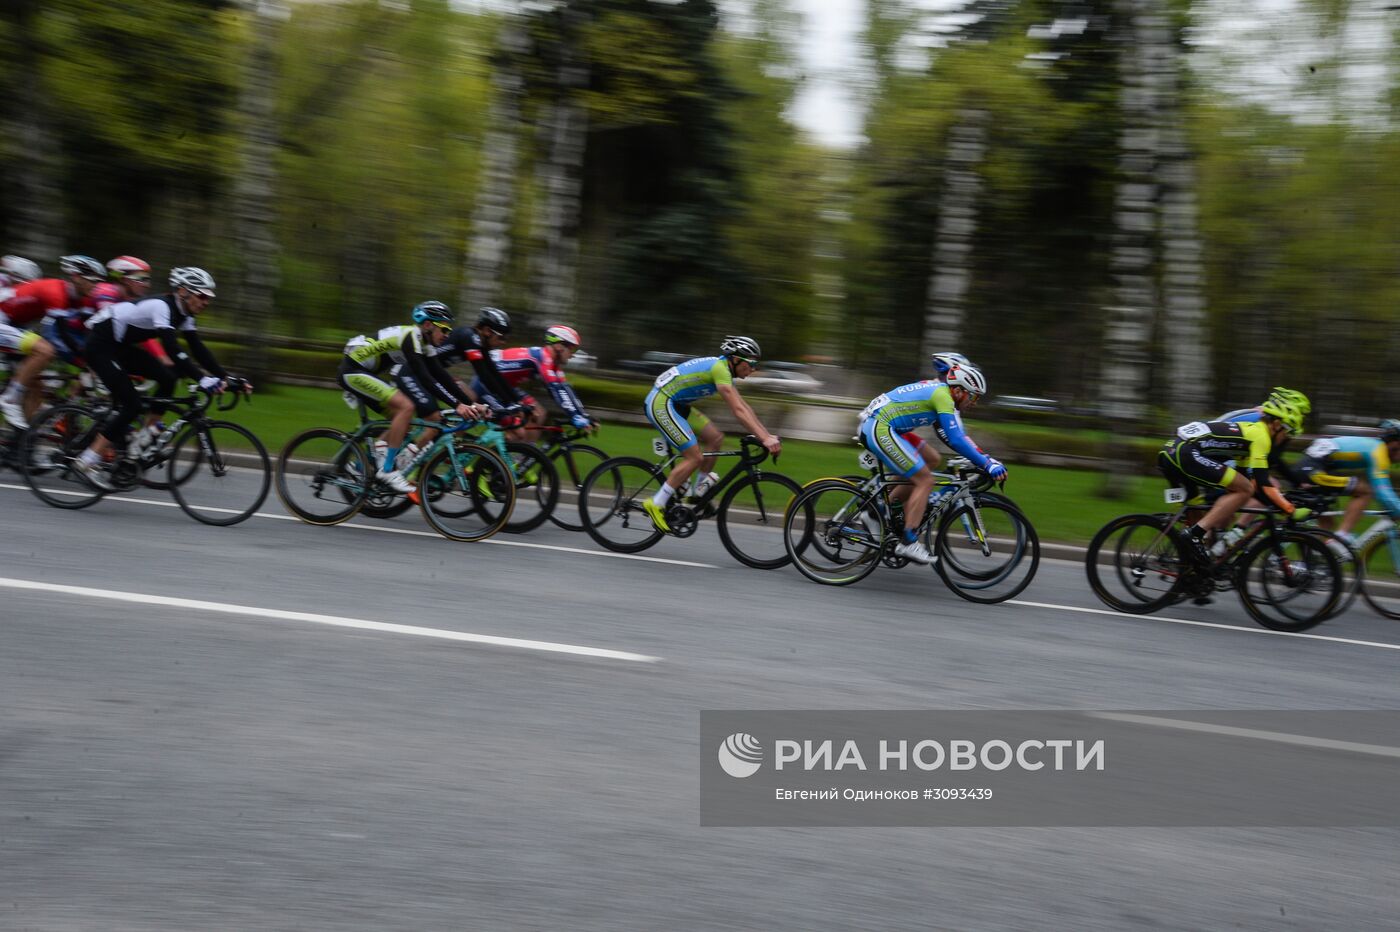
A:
[336,621]
[1234,731]
[1204,624]
[400,530]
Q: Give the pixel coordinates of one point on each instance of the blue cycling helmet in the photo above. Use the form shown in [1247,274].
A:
[433,311]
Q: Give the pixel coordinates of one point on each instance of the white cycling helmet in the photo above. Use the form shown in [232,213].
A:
[83,267]
[942,362]
[19,268]
[124,267]
[744,347]
[562,334]
[969,378]
[195,279]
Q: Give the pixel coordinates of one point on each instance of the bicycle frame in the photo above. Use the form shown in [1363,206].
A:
[747,465]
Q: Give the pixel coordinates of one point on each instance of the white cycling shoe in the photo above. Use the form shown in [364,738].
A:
[915,552]
[396,481]
[14,413]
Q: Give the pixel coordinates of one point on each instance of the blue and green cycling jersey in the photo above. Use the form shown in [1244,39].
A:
[925,404]
[1358,456]
[694,379]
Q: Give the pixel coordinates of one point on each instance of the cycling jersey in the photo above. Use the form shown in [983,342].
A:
[1210,453]
[27,306]
[888,422]
[411,364]
[464,345]
[1276,464]
[667,405]
[1351,457]
[519,364]
[158,317]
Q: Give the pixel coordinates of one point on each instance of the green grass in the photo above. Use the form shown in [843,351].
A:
[1062,503]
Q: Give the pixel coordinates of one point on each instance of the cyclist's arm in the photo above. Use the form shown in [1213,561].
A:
[1256,466]
[200,351]
[559,388]
[950,431]
[743,412]
[498,392]
[430,372]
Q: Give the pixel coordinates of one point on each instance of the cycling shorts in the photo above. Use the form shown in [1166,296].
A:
[897,452]
[368,388]
[1315,473]
[14,338]
[68,344]
[672,418]
[1182,462]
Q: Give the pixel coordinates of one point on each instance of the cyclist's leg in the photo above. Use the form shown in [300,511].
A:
[21,397]
[671,420]
[104,360]
[1361,498]
[136,361]
[899,457]
[1238,488]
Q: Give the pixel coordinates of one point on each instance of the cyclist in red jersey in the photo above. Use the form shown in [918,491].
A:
[31,301]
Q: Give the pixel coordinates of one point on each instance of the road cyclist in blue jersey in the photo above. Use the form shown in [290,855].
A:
[887,428]
[1359,467]
[668,407]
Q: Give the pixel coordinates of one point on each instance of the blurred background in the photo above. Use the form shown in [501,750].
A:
[1140,209]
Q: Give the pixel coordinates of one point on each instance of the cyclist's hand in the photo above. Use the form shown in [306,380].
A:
[773,445]
[240,384]
[212,383]
[466,410]
[580,422]
[996,470]
[1300,514]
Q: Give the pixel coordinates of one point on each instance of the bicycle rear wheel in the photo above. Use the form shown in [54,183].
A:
[573,462]
[536,487]
[229,473]
[610,504]
[1135,565]
[48,451]
[321,476]
[466,492]
[1381,582]
[1350,562]
[750,519]
[1290,581]
[988,552]
[833,532]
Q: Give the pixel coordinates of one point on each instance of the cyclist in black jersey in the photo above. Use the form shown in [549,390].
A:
[474,345]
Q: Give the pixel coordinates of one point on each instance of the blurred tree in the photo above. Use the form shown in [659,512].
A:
[36,201]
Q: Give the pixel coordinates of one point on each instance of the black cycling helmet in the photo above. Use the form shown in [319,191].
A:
[434,311]
[495,318]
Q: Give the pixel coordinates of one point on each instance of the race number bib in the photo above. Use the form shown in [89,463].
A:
[1194,430]
[877,403]
[667,376]
[1320,449]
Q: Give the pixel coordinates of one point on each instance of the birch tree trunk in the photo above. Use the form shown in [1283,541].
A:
[560,180]
[35,201]
[957,229]
[489,246]
[254,212]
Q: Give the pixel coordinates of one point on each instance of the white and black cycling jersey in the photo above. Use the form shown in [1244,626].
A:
[138,321]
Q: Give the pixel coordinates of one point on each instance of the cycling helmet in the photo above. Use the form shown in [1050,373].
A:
[968,377]
[1390,429]
[495,318]
[1285,409]
[434,311]
[942,362]
[1297,398]
[123,267]
[82,267]
[743,347]
[19,268]
[195,279]
[561,334]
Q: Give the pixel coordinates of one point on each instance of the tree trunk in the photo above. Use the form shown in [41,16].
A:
[957,229]
[35,199]
[254,211]
[489,246]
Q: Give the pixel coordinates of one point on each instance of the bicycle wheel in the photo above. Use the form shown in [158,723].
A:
[1381,582]
[536,487]
[988,552]
[466,492]
[229,473]
[573,462]
[321,476]
[1289,581]
[610,503]
[1134,566]
[833,533]
[158,476]
[47,453]
[381,501]
[1351,566]
[750,519]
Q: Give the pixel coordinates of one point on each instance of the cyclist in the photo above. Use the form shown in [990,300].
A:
[668,407]
[114,354]
[398,369]
[27,307]
[474,344]
[545,363]
[1276,464]
[888,422]
[129,280]
[1200,453]
[1358,466]
[16,270]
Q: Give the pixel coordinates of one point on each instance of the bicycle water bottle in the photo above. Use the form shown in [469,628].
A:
[704,483]
[938,494]
[1227,540]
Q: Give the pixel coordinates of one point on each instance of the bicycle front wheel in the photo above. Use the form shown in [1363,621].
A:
[222,473]
[47,453]
[321,476]
[1136,565]
[988,552]
[466,492]
[833,532]
[750,519]
[573,462]
[611,504]
[1290,581]
[536,487]
[1380,583]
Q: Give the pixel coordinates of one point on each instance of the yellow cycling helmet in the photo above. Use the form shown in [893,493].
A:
[1295,397]
[1285,409]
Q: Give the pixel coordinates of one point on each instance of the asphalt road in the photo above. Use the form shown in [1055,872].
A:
[249,728]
